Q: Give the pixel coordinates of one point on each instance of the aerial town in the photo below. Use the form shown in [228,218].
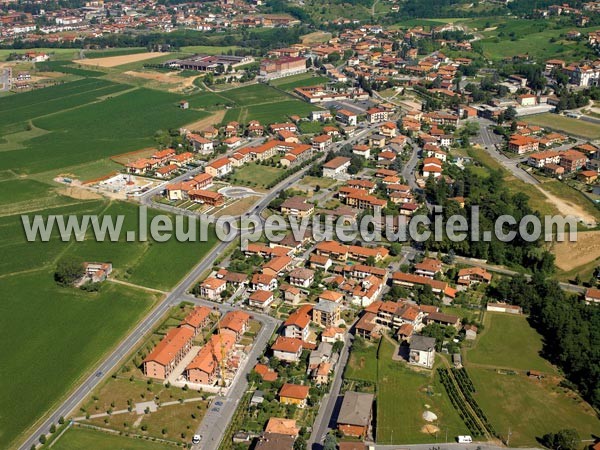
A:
[454,138]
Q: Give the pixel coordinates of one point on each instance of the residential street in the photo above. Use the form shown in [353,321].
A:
[215,422]
[328,402]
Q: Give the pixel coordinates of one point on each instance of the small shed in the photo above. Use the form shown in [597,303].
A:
[184,104]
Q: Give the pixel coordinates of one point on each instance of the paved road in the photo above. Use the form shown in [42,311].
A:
[408,171]
[490,140]
[328,402]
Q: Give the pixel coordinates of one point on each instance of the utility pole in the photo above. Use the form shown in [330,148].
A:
[508,438]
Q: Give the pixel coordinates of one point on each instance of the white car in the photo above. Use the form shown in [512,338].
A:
[465,439]
[196,439]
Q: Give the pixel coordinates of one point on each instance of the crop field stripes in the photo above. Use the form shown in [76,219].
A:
[460,390]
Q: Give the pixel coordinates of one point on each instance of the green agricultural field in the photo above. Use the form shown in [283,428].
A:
[53,335]
[254,94]
[256,175]
[67,67]
[303,79]
[209,49]
[540,39]
[18,255]
[54,53]
[502,336]
[94,131]
[402,394]
[16,191]
[557,122]
[530,408]
[270,112]
[17,110]
[84,439]
[209,100]
[151,264]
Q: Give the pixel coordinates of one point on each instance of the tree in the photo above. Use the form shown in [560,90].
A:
[330,442]
[567,439]
[68,270]
[300,443]
[395,248]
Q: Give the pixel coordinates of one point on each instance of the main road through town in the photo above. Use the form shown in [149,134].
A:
[110,363]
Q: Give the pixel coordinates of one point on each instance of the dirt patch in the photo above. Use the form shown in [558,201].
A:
[113,61]
[214,119]
[567,208]
[79,193]
[167,78]
[429,429]
[177,83]
[128,157]
[316,37]
[570,255]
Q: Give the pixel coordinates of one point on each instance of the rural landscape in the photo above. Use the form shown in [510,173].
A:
[211,120]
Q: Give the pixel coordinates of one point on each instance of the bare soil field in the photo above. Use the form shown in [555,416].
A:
[114,61]
[173,82]
[125,158]
[316,37]
[168,78]
[567,208]
[79,193]
[571,255]
[215,118]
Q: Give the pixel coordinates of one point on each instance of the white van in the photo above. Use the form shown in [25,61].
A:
[465,439]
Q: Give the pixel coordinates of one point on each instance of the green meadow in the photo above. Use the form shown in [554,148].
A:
[53,335]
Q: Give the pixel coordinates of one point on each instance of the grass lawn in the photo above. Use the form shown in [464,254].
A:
[255,175]
[67,332]
[402,394]
[557,122]
[316,181]
[253,94]
[362,364]
[303,79]
[502,336]
[83,439]
[530,408]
